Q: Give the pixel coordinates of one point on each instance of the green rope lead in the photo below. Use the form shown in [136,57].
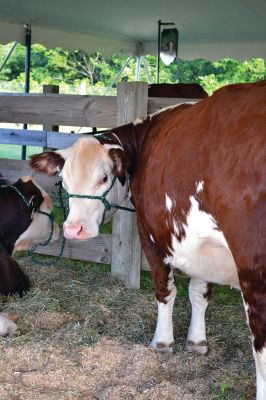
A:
[34,247]
[107,205]
[21,195]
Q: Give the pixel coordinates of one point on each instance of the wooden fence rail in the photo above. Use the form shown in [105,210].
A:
[56,140]
[70,110]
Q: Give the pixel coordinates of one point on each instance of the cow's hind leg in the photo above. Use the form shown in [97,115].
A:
[199,292]
[165,292]
[163,336]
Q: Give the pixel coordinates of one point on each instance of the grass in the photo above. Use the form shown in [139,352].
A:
[89,291]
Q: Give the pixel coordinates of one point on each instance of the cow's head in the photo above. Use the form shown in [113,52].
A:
[40,228]
[86,168]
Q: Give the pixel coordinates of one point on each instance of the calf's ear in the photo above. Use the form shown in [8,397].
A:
[120,163]
[49,162]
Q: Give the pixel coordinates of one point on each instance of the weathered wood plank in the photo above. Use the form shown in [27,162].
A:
[23,137]
[58,140]
[144,262]
[126,255]
[69,110]
[58,109]
[98,249]
[46,127]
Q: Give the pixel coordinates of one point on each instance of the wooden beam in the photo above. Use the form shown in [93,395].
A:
[98,249]
[47,127]
[58,140]
[69,110]
[23,137]
[126,254]
[59,109]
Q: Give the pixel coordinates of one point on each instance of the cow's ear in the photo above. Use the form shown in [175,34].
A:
[120,164]
[49,162]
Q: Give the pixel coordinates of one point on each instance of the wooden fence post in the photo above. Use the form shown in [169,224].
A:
[132,102]
[46,127]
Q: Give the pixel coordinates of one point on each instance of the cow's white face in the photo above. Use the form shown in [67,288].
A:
[40,228]
[87,168]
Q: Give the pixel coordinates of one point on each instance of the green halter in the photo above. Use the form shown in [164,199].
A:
[107,205]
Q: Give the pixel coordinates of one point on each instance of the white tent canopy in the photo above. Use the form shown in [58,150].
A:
[210,29]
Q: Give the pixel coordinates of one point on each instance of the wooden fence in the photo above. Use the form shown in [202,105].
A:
[121,249]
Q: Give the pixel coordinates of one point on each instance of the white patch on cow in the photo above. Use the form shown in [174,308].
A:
[138,121]
[164,336]
[119,141]
[168,259]
[203,252]
[7,326]
[169,203]
[151,238]
[176,229]
[246,307]
[199,186]
[260,361]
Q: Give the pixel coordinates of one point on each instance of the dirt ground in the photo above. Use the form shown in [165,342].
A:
[83,335]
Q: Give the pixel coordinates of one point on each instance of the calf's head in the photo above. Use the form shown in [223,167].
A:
[40,227]
[87,168]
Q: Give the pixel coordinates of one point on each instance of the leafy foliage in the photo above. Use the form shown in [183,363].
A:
[98,73]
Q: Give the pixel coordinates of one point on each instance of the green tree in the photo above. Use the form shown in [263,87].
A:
[57,66]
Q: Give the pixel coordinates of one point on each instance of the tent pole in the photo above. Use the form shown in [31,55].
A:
[138,64]
[27,74]
[118,75]
[7,57]
[158,51]
[145,64]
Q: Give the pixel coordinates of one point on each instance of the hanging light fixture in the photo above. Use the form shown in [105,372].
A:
[167,45]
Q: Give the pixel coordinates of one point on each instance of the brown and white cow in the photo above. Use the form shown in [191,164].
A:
[198,184]
[21,225]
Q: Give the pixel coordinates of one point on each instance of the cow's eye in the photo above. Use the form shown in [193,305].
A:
[105,179]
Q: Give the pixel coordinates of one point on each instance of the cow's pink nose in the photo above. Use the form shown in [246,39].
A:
[72,231]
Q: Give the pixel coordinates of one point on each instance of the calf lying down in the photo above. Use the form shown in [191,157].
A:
[21,225]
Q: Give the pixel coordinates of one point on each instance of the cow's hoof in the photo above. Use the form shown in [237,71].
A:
[161,347]
[7,326]
[200,347]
